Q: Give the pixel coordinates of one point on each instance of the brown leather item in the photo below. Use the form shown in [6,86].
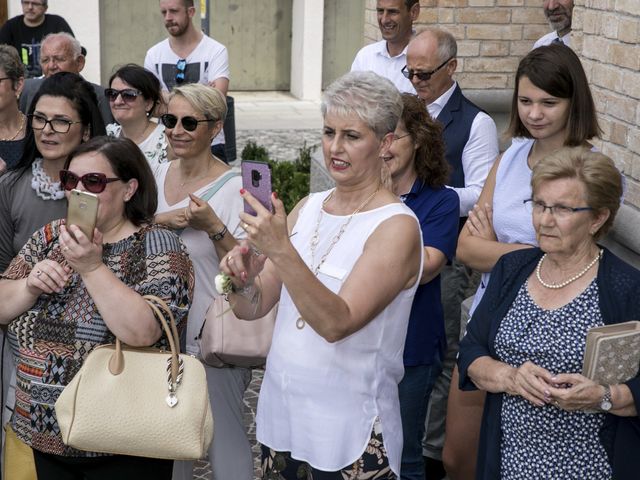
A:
[227,340]
[144,402]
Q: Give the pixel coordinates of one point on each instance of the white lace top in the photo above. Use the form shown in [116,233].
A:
[154,146]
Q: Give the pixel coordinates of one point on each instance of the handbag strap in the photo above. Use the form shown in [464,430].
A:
[210,192]
[160,309]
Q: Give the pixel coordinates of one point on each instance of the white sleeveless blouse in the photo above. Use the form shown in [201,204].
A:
[319,400]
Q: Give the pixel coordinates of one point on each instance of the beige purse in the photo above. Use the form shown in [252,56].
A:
[227,340]
[143,402]
[612,353]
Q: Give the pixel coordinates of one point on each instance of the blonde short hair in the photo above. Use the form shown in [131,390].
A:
[207,100]
[601,178]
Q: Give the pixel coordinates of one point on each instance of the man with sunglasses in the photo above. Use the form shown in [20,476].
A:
[188,56]
[389,55]
[61,52]
[471,146]
[25,32]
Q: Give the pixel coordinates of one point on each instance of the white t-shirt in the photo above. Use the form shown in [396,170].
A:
[376,58]
[206,63]
[227,203]
[549,38]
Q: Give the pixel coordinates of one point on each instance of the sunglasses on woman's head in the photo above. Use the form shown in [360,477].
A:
[127,94]
[93,182]
[188,123]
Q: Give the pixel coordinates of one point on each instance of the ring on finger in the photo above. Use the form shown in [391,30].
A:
[229,259]
[65,249]
[245,225]
[38,273]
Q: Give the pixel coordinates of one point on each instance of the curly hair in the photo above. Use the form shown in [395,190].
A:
[430,162]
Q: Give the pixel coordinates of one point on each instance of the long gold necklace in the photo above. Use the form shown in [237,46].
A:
[22,120]
[300,323]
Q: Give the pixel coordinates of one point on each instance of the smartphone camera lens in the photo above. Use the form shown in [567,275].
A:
[256,176]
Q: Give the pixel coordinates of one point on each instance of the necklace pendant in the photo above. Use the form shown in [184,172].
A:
[300,323]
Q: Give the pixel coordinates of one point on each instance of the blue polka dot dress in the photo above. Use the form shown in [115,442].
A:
[547,442]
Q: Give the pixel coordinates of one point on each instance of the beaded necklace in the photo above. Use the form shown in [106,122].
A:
[45,188]
[556,286]
[300,323]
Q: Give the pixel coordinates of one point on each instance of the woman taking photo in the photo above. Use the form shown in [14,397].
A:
[344,265]
[209,230]
[419,172]
[65,294]
[13,123]
[134,94]
[552,107]
[526,340]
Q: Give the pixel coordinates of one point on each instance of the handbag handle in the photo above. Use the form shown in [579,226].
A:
[159,308]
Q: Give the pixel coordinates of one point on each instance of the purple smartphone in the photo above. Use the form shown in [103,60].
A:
[256,179]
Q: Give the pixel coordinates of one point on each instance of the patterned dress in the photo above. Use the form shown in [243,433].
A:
[52,339]
[547,442]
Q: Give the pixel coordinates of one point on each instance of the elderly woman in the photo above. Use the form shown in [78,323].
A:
[344,265]
[63,295]
[13,123]
[419,173]
[551,107]
[526,340]
[209,228]
[134,93]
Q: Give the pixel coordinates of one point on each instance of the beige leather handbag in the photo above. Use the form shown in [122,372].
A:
[144,402]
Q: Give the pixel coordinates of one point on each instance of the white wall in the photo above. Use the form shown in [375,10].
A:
[84,18]
[306,49]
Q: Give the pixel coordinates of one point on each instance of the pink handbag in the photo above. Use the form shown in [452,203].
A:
[226,340]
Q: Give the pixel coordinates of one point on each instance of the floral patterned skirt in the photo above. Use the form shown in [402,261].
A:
[372,465]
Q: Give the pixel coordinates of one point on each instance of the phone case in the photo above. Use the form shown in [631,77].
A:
[83,211]
[256,179]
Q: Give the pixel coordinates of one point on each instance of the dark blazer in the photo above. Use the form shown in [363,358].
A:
[31,86]
[456,118]
[619,291]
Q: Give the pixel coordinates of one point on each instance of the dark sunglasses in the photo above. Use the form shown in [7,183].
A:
[188,123]
[423,76]
[93,182]
[127,94]
[180,68]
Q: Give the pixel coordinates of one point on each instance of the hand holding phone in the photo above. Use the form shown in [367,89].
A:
[256,179]
[82,211]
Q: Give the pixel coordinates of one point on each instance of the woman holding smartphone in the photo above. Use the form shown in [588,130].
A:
[63,295]
[209,229]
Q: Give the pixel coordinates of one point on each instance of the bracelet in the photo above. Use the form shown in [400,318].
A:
[216,237]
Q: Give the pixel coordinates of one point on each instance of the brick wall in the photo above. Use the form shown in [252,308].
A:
[494,34]
[607,34]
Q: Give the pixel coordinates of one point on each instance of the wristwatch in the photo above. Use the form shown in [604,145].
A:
[216,237]
[605,403]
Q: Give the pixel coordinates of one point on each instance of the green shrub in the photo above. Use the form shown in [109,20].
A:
[289,179]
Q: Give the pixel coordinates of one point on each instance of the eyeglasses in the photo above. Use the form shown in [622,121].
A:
[93,182]
[188,123]
[396,137]
[58,125]
[181,66]
[423,76]
[27,3]
[128,95]
[558,211]
[4,78]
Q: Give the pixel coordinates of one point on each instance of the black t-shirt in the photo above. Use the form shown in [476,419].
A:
[27,39]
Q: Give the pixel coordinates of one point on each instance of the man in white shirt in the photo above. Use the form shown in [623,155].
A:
[388,56]
[188,56]
[471,142]
[558,13]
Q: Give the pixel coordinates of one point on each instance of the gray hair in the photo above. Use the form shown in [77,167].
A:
[447,45]
[207,100]
[374,99]
[74,44]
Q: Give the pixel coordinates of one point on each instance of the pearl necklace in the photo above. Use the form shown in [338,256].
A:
[300,323]
[45,188]
[556,286]
[22,120]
